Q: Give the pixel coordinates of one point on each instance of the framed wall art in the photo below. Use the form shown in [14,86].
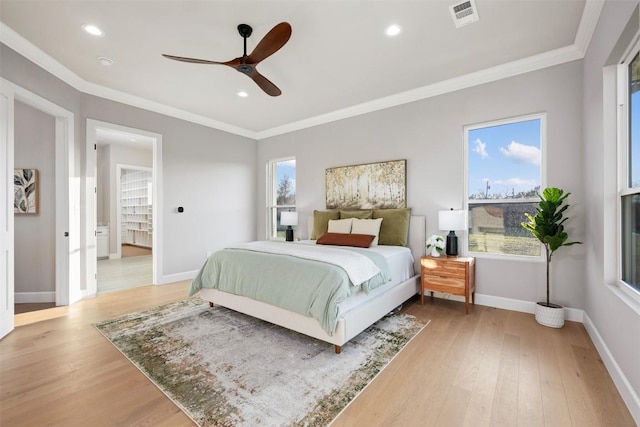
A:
[26,192]
[368,186]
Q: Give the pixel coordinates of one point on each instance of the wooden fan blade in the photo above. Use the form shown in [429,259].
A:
[264,83]
[193,60]
[270,43]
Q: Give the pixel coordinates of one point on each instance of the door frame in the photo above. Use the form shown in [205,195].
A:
[91,260]
[68,231]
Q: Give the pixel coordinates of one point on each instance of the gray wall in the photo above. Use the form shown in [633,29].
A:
[209,172]
[429,134]
[35,234]
[615,317]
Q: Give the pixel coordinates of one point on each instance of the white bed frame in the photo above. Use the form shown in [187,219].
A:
[352,322]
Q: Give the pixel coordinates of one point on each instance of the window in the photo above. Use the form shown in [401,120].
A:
[281,176]
[629,191]
[504,175]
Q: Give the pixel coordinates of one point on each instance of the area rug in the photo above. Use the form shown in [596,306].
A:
[223,368]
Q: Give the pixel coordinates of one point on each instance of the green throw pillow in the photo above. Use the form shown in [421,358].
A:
[394,230]
[321,222]
[360,213]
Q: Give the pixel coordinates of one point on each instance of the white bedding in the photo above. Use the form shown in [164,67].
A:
[401,267]
[358,267]
[356,315]
[400,262]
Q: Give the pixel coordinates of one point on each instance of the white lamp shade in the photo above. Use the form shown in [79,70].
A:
[452,220]
[289,218]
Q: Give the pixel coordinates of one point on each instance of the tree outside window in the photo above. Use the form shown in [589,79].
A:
[282,194]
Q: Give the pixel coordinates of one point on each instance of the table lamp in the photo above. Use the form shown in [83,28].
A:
[452,220]
[289,219]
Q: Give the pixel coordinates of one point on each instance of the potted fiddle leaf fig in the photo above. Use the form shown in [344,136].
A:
[547,226]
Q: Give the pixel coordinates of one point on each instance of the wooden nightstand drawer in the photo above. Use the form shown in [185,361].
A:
[444,284]
[450,275]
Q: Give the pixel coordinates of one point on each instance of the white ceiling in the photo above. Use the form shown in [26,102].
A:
[338,62]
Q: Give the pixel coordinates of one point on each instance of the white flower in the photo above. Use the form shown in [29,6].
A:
[435,241]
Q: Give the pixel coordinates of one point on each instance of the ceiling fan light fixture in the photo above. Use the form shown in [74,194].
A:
[393,30]
[243,94]
[94,30]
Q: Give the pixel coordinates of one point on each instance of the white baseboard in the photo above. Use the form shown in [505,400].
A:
[34,297]
[627,392]
[572,314]
[178,277]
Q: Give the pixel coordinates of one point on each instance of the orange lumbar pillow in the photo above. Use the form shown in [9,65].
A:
[343,239]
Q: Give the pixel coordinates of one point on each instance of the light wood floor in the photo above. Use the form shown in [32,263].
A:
[124,273]
[492,367]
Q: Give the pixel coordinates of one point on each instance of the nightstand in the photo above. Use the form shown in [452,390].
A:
[449,274]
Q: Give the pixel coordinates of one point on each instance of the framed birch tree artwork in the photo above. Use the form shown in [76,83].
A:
[25,193]
[367,186]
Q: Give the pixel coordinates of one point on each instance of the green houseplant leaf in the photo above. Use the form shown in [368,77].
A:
[547,224]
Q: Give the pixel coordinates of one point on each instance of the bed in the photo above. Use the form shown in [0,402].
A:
[355,313]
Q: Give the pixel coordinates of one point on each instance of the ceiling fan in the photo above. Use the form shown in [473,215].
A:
[246,64]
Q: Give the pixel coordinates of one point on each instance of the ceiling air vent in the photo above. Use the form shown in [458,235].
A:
[464,13]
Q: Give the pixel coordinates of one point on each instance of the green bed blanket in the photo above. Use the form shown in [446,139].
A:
[307,287]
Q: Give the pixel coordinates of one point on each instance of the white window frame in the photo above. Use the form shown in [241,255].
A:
[272,196]
[623,187]
[542,116]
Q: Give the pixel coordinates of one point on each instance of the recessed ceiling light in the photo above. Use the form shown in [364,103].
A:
[105,61]
[243,94]
[93,30]
[393,30]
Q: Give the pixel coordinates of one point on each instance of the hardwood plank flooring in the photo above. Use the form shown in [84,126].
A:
[124,273]
[489,368]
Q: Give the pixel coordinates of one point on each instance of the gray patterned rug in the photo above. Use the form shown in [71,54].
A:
[227,369]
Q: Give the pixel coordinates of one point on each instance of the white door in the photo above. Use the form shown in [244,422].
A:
[6,213]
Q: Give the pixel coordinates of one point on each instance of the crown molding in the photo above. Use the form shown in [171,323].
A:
[488,75]
[588,23]
[136,101]
[576,51]
[34,54]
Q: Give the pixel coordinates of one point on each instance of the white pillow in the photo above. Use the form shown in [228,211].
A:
[367,226]
[340,226]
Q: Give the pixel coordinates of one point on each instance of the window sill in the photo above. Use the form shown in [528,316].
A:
[510,258]
[628,295]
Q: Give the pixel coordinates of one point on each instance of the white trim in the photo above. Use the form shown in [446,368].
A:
[575,51]
[623,385]
[177,277]
[542,117]
[156,210]
[68,262]
[572,314]
[588,23]
[25,48]
[272,194]
[34,297]
[503,71]
[7,239]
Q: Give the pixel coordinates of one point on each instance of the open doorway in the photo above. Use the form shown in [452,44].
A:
[67,196]
[124,210]
[123,189]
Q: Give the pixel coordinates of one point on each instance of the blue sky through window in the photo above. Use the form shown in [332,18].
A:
[504,159]
[286,167]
